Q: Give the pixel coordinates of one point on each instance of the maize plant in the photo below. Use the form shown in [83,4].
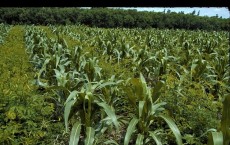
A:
[147,110]
[68,61]
[222,137]
[88,107]
[4,29]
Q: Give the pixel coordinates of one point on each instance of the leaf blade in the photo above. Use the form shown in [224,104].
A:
[90,132]
[140,138]
[130,130]
[173,127]
[75,133]
[155,137]
[67,112]
[109,112]
[215,138]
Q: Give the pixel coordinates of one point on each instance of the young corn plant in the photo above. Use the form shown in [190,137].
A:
[222,137]
[198,68]
[4,29]
[88,106]
[147,110]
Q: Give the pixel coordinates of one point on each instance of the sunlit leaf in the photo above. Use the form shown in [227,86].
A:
[215,138]
[75,133]
[140,139]
[110,113]
[155,137]
[173,127]
[90,132]
[130,130]
[111,142]
[68,106]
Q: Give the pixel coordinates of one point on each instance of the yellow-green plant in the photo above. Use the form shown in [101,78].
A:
[25,116]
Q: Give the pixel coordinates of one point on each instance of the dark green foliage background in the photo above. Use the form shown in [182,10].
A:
[111,18]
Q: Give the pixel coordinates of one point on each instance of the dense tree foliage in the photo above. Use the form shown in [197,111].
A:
[110,18]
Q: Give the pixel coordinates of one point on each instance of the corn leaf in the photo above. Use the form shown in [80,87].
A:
[140,139]
[71,96]
[110,142]
[157,107]
[173,127]
[105,84]
[215,138]
[90,132]
[130,130]
[141,107]
[75,133]
[225,120]
[156,90]
[155,137]
[137,89]
[109,112]
[67,112]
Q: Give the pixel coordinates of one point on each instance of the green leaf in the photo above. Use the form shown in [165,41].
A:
[67,111]
[57,60]
[43,67]
[130,130]
[215,138]
[90,132]
[156,107]
[209,130]
[57,73]
[109,112]
[173,127]
[190,139]
[156,90]
[155,137]
[105,84]
[75,133]
[98,70]
[144,85]
[131,96]
[111,142]
[193,66]
[140,139]
[141,106]
[136,83]
[225,120]
[71,96]
[142,79]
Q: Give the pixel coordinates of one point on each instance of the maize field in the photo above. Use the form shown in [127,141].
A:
[79,85]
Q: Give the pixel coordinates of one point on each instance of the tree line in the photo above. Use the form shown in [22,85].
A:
[111,18]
